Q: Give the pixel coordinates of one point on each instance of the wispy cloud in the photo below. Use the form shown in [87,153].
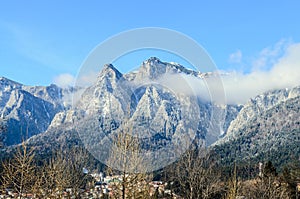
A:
[236,57]
[281,69]
[276,67]
[30,44]
[83,80]
[270,55]
[64,80]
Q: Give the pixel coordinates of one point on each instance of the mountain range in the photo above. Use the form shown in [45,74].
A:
[158,115]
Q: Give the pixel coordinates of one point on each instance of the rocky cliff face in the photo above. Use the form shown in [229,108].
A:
[157,114]
[28,110]
[269,135]
[259,106]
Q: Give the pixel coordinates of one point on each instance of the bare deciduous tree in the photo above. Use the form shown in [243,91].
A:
[54,178]
[269,185]
[266,185]
[196,175]
[126,162]
[233,185]
[19,172]
[63,171]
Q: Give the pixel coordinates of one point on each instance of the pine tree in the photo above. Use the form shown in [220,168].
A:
[269,170]
[3,129]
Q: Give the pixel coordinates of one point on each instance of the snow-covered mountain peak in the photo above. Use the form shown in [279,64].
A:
[152,61]
[259,105]
[156,67]
[5,83]
[109,72]
[30,107]
[109,68]
[152,68]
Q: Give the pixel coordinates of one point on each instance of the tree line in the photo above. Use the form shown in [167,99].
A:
[197,174]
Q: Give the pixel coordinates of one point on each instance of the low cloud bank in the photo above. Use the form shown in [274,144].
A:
[64,80]
[273,69]
[284,72]
[276,67]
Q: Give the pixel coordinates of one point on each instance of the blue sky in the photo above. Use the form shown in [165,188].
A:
[41,40]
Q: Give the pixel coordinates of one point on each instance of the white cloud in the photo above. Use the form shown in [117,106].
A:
[83,80]
[281,70]
[64,80]
[87,79]
[236,57]
[182,85]
[270,55]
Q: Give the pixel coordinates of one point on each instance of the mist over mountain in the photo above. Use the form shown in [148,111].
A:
[264,134]
[29,110]
[165,104]
[160,116]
